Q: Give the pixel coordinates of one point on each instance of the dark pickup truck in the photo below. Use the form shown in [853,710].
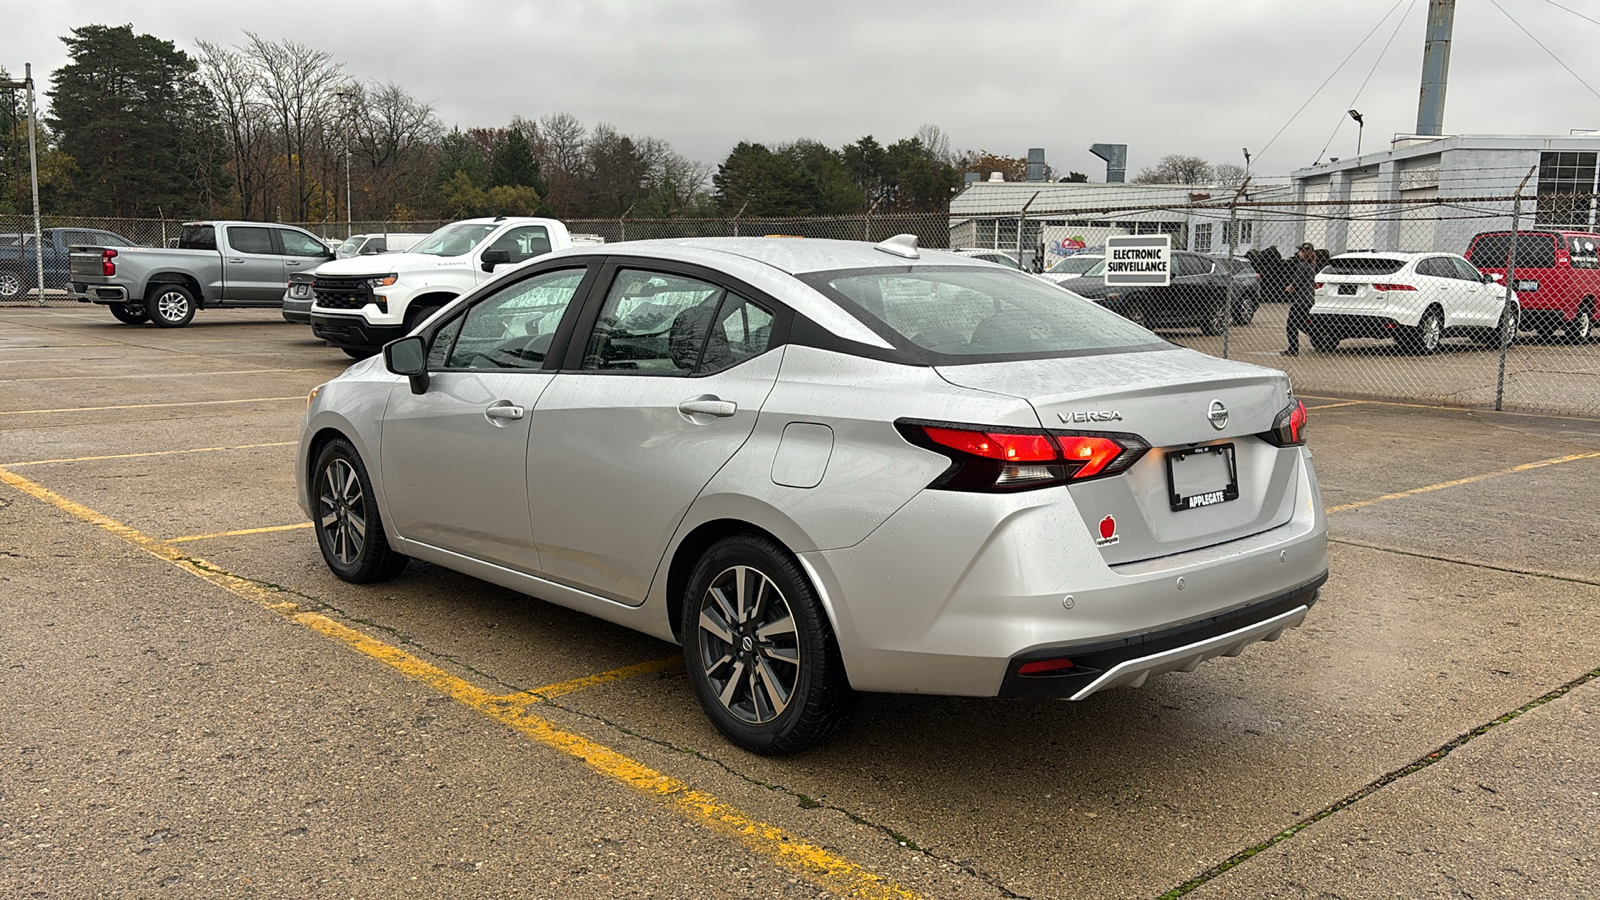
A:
[19,267]
[215,265]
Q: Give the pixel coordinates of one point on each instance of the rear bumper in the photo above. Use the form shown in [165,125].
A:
[1377,324]
[353,331]
[297,311]
[99,293]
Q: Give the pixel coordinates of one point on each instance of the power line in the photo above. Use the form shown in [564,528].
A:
[1570,10]
[1392,35]
[1544,48]
[1330,77]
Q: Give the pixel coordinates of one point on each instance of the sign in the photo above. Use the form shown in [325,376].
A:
[1142,260]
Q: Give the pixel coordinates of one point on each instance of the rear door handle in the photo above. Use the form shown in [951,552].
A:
[708,407]
[504,410]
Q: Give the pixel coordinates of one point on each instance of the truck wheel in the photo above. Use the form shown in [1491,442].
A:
[130,313]
[359,352]
[10,285]
[169,305]
[1581,328]
[417,314]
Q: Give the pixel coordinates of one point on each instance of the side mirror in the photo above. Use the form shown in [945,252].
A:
[492,258]
[1494,277]
[408,356]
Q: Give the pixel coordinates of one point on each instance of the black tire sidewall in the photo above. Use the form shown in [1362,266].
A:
[821,694]
[127,315]
[152,305]
[376,561]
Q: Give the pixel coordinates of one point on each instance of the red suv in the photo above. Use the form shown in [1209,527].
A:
[1557,277]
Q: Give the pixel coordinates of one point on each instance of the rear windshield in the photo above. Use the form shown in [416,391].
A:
[1534,251]
[1362,265]
[967,314]
[1074,265]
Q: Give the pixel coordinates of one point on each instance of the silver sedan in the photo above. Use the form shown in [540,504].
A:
[827,467]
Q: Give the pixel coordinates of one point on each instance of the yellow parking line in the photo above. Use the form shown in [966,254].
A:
[155,375]
[73,459]
[32,412]
[1478,410]
[833,872]
[200,537]
[1337,405]
[551,691]
[1460,481]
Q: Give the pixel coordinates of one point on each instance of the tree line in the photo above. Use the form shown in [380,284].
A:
[274,129]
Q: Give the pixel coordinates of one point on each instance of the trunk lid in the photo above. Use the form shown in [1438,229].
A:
[1167,398]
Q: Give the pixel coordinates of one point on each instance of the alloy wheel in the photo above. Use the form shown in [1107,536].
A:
[342,511]
[172,306]
[748,644]
[10,285]
[1432,332]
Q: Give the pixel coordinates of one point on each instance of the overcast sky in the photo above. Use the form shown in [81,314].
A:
[1199,77]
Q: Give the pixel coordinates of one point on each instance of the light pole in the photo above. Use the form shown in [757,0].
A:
[1361,126]
[33,166]
[346,97]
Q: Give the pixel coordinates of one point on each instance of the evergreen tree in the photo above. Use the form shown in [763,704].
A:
[513,164]
[762,183]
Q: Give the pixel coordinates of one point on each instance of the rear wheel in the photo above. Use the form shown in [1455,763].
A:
[1426,337]
[760,654]
[1216,321]
[349,527]
[1244,309]
[1326,340]
[169,305]
[1138,310]
[1581,329]
[130,313]
[11,286]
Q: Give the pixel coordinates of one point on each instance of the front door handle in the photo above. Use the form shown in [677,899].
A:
[708,407]
[237,262]
[504,410]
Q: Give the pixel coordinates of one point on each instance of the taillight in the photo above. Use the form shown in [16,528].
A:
[1316,285]
[1393,287]
[1289,429]
[989,459]
[107,267]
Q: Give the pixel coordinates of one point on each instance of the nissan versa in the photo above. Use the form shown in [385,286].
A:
[827,467]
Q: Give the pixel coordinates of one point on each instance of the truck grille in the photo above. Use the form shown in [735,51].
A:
[342,293]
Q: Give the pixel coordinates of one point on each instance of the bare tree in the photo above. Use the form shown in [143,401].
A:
[1175,168]
[393,132]
[1227,174]
[937,144]
[236,85]
[298,84]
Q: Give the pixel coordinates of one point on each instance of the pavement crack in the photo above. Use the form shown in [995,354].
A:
[1477,564]
[1377,784]
[802,800]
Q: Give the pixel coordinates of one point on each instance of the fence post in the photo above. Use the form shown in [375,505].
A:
[1511,288]
[1022,221]
[736,218]
[1227,289]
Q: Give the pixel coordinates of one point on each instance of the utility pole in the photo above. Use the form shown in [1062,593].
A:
[346,95]
[33,166]
[1435,66]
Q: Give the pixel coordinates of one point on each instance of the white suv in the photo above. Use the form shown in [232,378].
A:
[1416,299]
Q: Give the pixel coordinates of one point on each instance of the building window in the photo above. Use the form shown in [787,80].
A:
[1237,233]
[1566,189]
[1202,238]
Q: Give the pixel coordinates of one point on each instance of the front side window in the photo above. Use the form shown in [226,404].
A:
[524,242]
[658,323]
[513,327]
[454,240]
[964,314]
[297,244]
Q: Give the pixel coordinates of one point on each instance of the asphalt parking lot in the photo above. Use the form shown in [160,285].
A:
[195,707]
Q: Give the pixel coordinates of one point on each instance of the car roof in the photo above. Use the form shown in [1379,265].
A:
[1396,254]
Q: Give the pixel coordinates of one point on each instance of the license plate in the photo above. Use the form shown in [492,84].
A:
[300,291]
[1201,476]
[1527,285]
[1347,290]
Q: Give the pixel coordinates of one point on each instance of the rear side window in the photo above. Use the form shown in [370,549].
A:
[967,314]
[1185,265]
[198,237]
[1534,251]
[1363,265]
[251,240]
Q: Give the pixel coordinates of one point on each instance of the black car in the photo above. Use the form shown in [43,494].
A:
[1195,298]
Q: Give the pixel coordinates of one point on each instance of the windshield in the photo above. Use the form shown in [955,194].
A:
[1075,265]
[1098,269]
[349,247]
[968,313]
[454,240]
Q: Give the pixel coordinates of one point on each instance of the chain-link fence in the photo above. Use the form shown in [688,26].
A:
[1404,299]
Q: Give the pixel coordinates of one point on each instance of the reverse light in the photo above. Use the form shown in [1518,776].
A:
[1289,428]
[107,265]
[1393,287]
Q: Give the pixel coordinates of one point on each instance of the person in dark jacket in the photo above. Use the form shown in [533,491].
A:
[1302,279]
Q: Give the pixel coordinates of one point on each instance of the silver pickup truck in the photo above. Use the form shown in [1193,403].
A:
[215,265]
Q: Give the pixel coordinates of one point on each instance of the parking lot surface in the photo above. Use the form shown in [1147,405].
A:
[196,707]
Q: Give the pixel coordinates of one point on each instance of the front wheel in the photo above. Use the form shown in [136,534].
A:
[130,313]
[760,654]
[1581,328]
[358,352]
[169,305]
[1325,339]
[348,524]
[1244,311]
[1427,336]
[11,286]
[1505,333]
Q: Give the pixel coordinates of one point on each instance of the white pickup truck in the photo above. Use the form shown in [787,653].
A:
[365,302]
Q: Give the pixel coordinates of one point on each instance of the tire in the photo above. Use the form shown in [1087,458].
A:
[1325,340]
[130,313]
[347,521]
[1217,321]
[11,286]
[1581,329]
[417,314]
[1138,310]
[1244,309]
[1426,337]
[1504,333]
[776,634]
[169,305]
[358,352]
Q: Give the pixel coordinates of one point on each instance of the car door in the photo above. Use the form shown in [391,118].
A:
[301,253]
[252,267]
[662,386]
[1477,304]
[520,244]
[1437,283]
[1189,298]
[454,458]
